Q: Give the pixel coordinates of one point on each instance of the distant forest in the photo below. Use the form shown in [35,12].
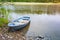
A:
[43,1]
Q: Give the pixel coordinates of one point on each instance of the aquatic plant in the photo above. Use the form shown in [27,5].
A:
[3,15]
[4,12]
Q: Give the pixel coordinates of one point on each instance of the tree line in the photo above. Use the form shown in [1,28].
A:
[53,1]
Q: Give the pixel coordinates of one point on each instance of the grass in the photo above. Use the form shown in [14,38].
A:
[4,17]
[3,21]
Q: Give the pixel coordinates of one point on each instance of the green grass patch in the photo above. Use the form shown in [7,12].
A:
[3,22]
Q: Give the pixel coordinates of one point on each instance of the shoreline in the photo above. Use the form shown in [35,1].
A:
[30,3]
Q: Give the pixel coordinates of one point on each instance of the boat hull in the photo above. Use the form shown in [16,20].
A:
[16,28]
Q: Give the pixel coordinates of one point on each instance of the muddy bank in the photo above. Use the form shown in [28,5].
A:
[5,35]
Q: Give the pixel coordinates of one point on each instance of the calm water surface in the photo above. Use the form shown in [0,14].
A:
[46,25]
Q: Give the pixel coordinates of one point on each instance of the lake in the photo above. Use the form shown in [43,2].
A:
[43,24]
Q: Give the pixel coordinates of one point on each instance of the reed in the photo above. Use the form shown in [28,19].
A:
[3,16]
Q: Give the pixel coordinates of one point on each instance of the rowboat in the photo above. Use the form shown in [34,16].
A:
[19,23]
